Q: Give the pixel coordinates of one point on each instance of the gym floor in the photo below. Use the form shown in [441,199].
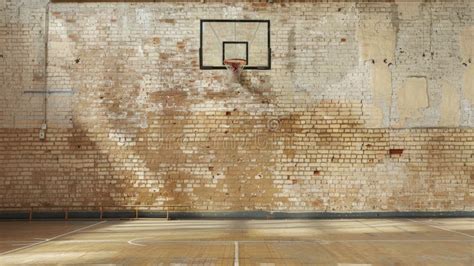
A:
[240,242]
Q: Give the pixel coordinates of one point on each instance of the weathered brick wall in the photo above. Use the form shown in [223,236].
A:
[368,107]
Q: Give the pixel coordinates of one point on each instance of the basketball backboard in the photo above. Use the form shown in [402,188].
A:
[235,39]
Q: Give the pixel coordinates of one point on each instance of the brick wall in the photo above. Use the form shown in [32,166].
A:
[368,107]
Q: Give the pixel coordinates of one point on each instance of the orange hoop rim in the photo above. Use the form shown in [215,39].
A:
[235,66]
[235,62]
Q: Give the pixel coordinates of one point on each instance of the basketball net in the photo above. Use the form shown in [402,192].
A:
[234,69]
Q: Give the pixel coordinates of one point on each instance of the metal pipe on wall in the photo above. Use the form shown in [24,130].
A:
[44,126]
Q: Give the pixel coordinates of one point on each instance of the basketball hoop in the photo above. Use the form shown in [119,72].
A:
[234,68]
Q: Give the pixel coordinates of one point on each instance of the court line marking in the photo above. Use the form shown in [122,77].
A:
[50,239]
[19,245]
[441,228]
[18,241]
[131,242]
[436,258]
[236,253]
[353,264]
[261,241]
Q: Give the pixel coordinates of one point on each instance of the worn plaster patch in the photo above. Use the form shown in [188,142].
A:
[377,40]
[467,42]
[381,84]
[412,99]
[450,106]
[375,118]
[467,53]
[408,9]
[381,87]
[62,49]
[468,84]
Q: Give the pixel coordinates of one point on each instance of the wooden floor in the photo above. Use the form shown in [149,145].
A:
[274,242]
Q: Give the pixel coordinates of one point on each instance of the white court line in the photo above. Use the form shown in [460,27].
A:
[13,241]
[236,253]
[131,242]
[22,245]
[352,264]
[257,241]
[441,228]
[50,239]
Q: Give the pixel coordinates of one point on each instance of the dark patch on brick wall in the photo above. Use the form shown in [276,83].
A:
[395,152]
[170,21]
